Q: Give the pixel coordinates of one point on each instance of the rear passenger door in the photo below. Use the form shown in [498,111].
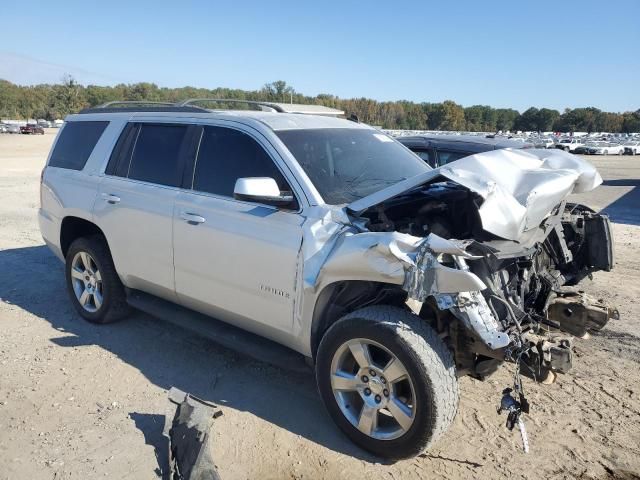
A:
[236,260]
[135,202]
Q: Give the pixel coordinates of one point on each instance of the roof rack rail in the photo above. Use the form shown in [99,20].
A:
[272,107]
[119,106]
[133,102]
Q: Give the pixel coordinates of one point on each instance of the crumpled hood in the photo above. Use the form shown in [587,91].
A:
[520,188]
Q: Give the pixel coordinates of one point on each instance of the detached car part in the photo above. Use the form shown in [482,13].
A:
[190,436]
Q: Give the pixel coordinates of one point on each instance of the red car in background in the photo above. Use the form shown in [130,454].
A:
[31,129]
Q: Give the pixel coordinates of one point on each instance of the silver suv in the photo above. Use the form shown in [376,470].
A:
[336,241]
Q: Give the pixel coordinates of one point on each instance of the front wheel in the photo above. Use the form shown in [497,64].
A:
[387,380]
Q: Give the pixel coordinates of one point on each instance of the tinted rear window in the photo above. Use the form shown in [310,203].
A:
[77,141]
[156,156]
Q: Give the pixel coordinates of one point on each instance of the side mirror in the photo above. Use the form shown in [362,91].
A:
[261,190]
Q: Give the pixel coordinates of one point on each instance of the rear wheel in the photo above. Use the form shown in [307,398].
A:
[387,380]
[92,282]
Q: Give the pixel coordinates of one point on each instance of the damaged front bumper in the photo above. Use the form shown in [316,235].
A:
[441,271]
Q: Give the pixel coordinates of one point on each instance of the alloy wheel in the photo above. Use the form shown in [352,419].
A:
[373,389]
[87,281]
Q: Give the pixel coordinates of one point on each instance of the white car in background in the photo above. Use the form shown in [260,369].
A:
[569,144]
[606,149]
[542,142]
[631,148]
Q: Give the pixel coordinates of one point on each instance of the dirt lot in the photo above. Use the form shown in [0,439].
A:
[83,401]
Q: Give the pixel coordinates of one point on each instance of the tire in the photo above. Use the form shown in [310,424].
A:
[430,373]
[105,283]
[620,152]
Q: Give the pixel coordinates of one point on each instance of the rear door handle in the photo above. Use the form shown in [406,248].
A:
[111,198]
[192,218]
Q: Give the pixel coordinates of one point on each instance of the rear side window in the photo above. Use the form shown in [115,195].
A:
[77,141]
[226,155]
[151,153]
[445,156]
[426,156]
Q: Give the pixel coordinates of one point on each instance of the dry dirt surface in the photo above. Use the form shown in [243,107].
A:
[84,401]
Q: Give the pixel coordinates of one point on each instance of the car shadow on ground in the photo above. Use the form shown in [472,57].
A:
[168,356]
[625,209]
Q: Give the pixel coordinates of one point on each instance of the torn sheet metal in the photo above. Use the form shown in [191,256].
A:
[429,277]
[190,436]
[520,188]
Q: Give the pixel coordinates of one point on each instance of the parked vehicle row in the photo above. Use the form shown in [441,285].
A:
[28,127]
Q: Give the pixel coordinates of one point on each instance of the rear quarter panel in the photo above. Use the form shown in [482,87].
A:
[65,192]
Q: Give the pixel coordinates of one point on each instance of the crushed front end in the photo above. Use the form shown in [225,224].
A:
[519,306]
[501,254]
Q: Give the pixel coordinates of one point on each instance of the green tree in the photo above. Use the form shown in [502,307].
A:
[546,118]
[505,119]
[447,115]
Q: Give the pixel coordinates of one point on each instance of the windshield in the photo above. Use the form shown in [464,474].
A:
[346,164]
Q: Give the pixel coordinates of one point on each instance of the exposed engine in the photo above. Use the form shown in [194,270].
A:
[526,288]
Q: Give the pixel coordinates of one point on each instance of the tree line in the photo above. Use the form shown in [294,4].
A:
[56,101]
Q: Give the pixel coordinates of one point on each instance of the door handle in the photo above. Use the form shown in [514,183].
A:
[111,198]
[192,218]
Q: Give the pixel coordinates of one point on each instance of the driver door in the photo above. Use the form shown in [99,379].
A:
[235,260]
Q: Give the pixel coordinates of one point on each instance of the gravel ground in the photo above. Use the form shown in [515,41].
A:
[85,401]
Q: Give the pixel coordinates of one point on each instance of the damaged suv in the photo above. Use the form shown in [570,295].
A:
[338,242]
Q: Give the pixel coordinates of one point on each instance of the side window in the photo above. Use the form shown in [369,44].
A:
[426,156]
[155,154]
[77,141]
[226,155]
[445,156]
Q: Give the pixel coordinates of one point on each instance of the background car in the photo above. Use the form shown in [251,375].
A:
[542,142]
[31,129]
[438,150]
[586,148]
[631,148]
[569,144]
[606,148]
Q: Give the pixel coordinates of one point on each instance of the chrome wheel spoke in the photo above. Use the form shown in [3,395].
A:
[394,371]
[97,299]
[86,261]
[401,412]
[77,274]
[84,298]
[368,421]
[97,275]
[360,352]
[344,382]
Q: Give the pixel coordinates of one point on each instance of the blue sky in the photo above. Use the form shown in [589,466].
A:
[501,53]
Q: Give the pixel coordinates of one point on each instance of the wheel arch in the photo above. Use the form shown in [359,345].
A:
[339,298]
[73,227]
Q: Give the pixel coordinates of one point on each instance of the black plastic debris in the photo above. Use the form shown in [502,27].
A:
[189,434]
